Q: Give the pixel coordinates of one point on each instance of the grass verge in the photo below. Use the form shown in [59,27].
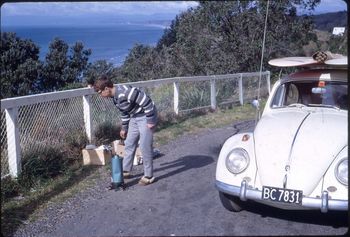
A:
[216,119]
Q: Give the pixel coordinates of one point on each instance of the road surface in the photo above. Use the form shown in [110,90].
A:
[183,201]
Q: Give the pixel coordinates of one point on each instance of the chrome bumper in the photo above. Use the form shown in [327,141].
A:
[245,193]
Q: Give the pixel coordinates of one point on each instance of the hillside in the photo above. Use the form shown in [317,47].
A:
[327,21]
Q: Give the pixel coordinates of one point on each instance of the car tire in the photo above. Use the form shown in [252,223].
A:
[231,203]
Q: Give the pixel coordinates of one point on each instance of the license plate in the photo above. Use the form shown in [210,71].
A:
[282,195]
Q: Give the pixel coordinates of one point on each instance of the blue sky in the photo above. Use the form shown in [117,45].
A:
[26,13]
[331,6]
[83,8]
[39,12]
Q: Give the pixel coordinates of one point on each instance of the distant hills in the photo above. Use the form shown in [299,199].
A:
[327,21]
[323,22]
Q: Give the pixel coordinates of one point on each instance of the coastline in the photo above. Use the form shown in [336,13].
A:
[107,42]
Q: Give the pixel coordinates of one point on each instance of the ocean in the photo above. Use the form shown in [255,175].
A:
[111,43]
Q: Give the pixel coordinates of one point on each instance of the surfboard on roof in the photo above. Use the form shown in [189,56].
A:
[319,58]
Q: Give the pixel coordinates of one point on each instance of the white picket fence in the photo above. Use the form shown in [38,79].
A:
[38,120]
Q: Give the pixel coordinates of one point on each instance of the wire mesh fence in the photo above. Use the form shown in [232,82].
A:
[43,124]
[194,94]
[3,143]
[227,91]
[103,110]
[251,88]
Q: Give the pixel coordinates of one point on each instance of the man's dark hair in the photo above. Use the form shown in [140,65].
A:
[102,82]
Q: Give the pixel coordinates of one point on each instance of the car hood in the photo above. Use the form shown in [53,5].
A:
[294,148]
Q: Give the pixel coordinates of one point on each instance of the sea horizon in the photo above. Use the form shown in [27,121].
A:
[110,42]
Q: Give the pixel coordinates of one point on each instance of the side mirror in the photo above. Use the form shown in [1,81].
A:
[256,104]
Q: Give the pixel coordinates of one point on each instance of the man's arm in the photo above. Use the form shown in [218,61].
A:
[125,117]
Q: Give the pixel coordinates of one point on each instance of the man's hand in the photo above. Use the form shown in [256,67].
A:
[123,134]
[150,125]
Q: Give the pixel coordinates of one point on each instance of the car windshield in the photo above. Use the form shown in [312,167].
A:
[312,93]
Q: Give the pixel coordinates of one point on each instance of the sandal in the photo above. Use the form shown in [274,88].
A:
[116,187]
[145,181]
[126,175]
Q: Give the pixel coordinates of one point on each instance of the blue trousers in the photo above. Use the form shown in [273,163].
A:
[138,130]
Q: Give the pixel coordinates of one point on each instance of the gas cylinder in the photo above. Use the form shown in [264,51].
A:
[117,172]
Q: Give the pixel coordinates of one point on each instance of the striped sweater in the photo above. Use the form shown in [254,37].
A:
[131,101]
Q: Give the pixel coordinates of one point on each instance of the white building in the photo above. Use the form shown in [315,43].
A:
[338,31]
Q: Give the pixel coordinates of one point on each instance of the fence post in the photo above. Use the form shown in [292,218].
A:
[13,142]
[240,85]
[176,98]
[87,116]
[212,94]
[268,81]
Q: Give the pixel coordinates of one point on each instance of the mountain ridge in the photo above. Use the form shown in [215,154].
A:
[327,21]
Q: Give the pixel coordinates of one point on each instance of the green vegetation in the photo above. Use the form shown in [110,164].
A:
[61,69]
[106,132]
[327,21]
[20,66]
[226,37]
[22,73]
[40,166]
[194,123]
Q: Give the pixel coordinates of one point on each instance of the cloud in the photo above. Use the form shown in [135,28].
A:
[95,8]
[331,6]
[27,13]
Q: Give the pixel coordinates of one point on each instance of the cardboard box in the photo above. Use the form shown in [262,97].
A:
[118,148]
[97,156]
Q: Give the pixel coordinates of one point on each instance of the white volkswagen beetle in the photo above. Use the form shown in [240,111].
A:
[297,155]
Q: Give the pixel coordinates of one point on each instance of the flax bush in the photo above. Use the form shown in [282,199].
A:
[9,188]
[106,132]
[194,95]
[74,142]
[43,164]
[4,162]
[39,166]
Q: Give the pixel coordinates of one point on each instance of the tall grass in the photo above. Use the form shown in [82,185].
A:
[106,132]
[40,166]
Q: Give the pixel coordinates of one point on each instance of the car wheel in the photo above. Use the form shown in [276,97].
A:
[231,203]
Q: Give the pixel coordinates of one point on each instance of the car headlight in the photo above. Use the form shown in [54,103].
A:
[341,171]
[237,160]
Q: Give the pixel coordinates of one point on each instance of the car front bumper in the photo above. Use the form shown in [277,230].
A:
[245,193]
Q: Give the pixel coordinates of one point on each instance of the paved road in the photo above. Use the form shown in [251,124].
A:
[183,201]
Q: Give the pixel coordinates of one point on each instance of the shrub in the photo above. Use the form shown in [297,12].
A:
[39,166]
[9,188]
[106,132]
[74,142]
[4,162]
